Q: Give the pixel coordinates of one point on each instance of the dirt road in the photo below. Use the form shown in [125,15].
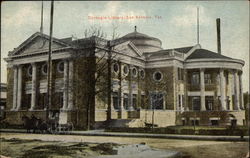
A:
[190,148]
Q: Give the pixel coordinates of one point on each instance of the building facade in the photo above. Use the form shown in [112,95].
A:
[3,96]
[149,84]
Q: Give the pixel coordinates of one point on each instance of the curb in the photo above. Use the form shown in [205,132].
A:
[140,135]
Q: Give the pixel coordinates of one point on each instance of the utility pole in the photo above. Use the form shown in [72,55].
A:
[198,27]
[41,27]
[109,81]
[153,116]
[49,65]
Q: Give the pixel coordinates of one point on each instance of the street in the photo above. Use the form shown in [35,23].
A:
[188,148]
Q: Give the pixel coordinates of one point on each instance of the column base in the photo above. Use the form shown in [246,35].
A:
[13,109]
[63,110]
[131,108]
[31,109]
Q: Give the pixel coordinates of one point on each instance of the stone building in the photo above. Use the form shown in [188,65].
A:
[3,96]
[179,86]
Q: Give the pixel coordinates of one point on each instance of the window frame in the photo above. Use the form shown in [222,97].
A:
[43,66]
[123,72]
[113,68]
[28,71]
[154,76]
[58,67]
[195,81]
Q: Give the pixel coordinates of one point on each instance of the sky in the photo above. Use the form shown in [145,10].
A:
[174,22]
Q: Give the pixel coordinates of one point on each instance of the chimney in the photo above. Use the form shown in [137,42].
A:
[218,35]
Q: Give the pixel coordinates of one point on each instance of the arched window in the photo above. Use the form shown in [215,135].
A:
[142,73]
[60,67]
[29,71]
[125,70]
[115,67]
[44,69]
[134,72]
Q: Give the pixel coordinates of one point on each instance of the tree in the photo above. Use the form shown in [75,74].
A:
[93,58]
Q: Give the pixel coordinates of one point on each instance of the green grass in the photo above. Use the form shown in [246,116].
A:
[41,149]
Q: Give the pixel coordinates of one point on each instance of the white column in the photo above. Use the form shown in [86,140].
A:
[65,88]
[130,102]
[236,91]
[19,88]
[181,97]
[112,102]
[241,92]
[229,92]
[70,89]
[222,90]
[202,89]
[122,97]
[34,86]
[15,88]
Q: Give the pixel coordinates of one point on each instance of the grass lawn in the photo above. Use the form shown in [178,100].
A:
[43,149]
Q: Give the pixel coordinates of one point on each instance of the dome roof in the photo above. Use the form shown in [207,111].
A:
[143,42]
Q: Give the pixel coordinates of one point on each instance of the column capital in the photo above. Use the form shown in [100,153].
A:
[202,69]
[240,73]
[15,66]
[235,71]
[230,70]
[65,60]
[222,69]
[33,64]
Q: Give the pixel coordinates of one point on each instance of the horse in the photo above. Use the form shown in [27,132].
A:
[30,123]
[42,126]
[27,123]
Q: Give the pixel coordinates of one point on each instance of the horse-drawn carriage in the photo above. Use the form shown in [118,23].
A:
[54,124]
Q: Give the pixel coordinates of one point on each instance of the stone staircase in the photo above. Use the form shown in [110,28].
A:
[120,123]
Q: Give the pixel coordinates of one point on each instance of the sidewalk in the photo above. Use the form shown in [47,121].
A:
[142,135]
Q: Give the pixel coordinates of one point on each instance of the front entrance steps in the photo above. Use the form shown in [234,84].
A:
[120,123]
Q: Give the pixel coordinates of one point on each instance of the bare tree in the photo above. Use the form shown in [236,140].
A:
[94,58]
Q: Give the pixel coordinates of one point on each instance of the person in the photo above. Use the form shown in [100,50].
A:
[33,117]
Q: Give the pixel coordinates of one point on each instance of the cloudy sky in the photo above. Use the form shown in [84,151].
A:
[173,22]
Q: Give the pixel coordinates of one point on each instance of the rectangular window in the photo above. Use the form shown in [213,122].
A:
[28,101]
[115,100]
[157,100]
[195,122]
[183,101]
[125,101]
[61,99]
[143,101]
[58,101]
[195,80]
[196,103]
[43,100]
[209,103]
[207,78]
[183,122]
[215,122]
[228,103]
[134,101]
[179,102]
[180,74]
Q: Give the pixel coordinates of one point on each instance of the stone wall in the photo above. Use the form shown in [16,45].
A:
[10,80]
[205,117]
[166,85]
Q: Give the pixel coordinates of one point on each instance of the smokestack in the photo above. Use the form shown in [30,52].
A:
[218,35]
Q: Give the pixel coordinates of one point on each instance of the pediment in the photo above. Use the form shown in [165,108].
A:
[36,43]
[128,48]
